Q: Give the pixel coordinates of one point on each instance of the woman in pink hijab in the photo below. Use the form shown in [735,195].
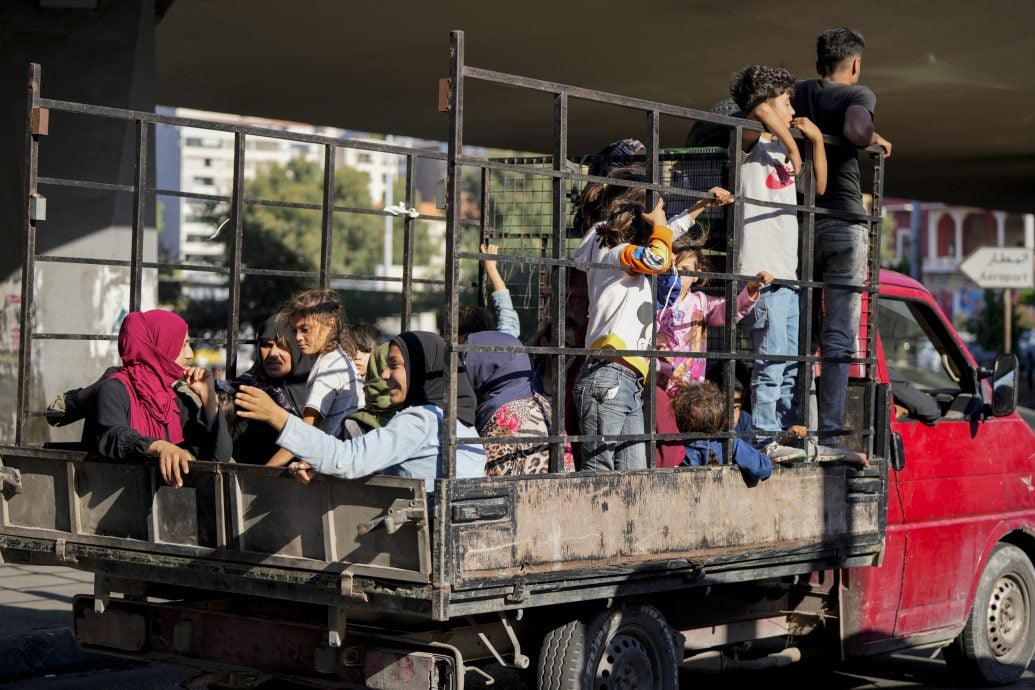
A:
[157,405]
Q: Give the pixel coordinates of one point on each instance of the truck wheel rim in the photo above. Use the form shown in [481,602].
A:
[626,664]
[1008,617]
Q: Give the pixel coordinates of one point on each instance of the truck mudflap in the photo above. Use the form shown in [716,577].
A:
[235,527]
[208,635]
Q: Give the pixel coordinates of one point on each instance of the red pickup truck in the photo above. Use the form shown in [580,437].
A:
[581,579]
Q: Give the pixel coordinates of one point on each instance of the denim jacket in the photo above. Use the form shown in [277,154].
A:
[506,316]
[407,446]
[754,465]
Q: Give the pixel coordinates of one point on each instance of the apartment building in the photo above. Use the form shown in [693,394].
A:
[200,161]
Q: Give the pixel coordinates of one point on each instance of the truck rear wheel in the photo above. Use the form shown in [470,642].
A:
[997,641]
[629,647]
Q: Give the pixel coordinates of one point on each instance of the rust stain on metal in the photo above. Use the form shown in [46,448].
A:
[443,95]
[40,121]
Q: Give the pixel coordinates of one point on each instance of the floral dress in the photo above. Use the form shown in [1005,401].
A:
[524,417]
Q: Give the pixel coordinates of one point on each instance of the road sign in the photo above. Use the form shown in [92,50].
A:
[1000,267]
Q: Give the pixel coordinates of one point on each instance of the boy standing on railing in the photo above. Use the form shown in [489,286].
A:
[769,241]
[840,107]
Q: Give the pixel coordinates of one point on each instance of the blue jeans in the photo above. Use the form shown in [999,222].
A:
[773,327]
[840,251]
[608,396]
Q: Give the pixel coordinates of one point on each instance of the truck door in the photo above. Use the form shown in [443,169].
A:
[951,491]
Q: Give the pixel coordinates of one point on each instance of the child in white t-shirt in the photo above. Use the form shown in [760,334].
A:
[769,239]
[608,388]
[317,319]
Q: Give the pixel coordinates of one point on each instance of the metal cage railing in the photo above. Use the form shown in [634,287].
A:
[678,174]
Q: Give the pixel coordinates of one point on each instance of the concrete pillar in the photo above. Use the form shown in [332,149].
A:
[1000,227]
[100,53]
[933,218]
[958,217]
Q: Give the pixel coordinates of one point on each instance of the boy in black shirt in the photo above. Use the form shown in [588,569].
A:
[841,108]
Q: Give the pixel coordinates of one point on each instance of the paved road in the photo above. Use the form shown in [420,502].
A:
[36,601]
[894,671]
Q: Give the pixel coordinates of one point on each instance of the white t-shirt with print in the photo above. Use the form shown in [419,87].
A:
[769,239]
[334,389]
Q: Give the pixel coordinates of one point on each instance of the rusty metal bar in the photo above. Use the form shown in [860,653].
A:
[500,164]
[654,177]
[483,226]
[287,135]
[447,463]
[604,97]
[327,222]
[872,297]
[29,256]
[806,301]
[107,187]
[136,269]
[441,551]
[559,276]
[734,228]
[409,228]
[234,255]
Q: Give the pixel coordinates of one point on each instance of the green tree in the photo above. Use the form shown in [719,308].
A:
[290,239]
[988,326]
[357,238]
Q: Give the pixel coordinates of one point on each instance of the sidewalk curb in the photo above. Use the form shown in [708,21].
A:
[43,652]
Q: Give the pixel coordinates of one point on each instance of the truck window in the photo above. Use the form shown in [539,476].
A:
[918,348]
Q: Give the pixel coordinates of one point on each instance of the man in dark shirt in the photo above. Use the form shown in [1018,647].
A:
[841,108]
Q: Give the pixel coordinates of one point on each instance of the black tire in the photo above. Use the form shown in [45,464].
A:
[629,646]
[560,657]
[998,639]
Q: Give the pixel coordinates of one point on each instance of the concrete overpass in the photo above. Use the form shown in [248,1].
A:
[956,93]
[954,83]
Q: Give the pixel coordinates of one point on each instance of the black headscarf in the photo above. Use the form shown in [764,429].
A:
[425,355]
[290,391]
[256,443]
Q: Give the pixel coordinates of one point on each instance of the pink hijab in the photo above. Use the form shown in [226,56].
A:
[149,343]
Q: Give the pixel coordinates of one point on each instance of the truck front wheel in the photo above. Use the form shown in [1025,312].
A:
[629,646]
[997,641]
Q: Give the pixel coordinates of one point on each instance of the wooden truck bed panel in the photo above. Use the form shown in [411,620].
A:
[231,513]
[577,522]
[253,531]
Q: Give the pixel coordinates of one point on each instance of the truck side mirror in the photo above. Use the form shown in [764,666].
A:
[898,452]
[1004,385]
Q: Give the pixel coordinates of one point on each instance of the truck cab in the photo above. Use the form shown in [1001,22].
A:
[959,540]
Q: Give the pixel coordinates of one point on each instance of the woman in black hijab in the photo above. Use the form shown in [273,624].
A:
[281,371]
[408,445]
